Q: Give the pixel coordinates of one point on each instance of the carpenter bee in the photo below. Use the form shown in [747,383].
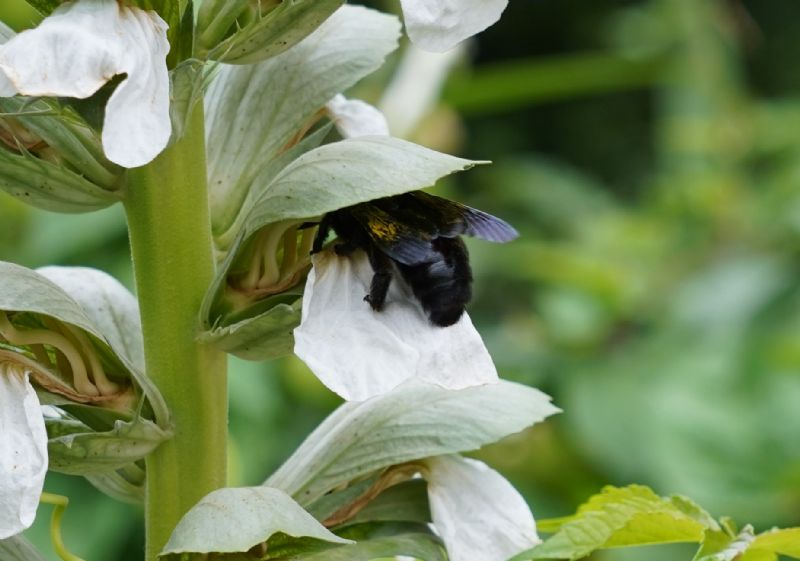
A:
[417,235]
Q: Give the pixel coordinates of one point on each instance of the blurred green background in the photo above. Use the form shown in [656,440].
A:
[649,153]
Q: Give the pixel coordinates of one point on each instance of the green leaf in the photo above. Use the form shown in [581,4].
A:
[412,422]
[17,548]
[407,501]
[254,112]
[49,186]
[125,484]
[64,131]
[348,172]
[376,541]
[76,449]
[268,35]
[783,542]
[237,519]
[627,516]
[262,337]
[44,7]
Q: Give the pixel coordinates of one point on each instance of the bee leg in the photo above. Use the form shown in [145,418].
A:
[379,287]
[322,233]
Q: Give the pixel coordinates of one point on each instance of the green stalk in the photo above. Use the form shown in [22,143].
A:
[170,232]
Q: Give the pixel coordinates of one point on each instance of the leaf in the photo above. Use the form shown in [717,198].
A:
[783,542]
[17,548]
[347,172]
[124,485]
[627,516]
[237,519]
[49,186]
[272,34]
[62,129]
[409,540]
[407,501]
[414,421]
[253,112]
[262,337]
[44,7]
[76,449]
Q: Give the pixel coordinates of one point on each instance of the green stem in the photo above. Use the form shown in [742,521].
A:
[168,219]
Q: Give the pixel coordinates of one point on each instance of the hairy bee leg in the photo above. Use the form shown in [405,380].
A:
[379,287]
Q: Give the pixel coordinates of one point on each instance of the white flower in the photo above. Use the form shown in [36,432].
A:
[416,87]
[81,46]
[476,511]
[438,25]
[23,450]
[354,118]
[359,353]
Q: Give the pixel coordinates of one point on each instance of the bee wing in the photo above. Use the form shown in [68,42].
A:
[454,219]
[400,241]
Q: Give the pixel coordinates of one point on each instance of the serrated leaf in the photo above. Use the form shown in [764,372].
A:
[627,516]
[17,548]
[254,112]
[237,519]
[414,421]
[271,34]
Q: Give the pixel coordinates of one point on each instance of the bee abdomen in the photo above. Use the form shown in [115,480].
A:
[442,286]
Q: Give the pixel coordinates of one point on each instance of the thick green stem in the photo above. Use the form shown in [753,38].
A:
[167,209]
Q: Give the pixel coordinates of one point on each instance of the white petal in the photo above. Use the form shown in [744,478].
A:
[354,117]
[476,511]
[438,25]
[416,86]
[80,47]
[359,353]
[23,451]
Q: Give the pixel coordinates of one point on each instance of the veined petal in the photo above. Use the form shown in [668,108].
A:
[23,451]
[476,511]
[359,353]
[80,47]
[438,25]
[354,117]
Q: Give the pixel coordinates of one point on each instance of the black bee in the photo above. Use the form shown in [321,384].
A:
[416,234]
